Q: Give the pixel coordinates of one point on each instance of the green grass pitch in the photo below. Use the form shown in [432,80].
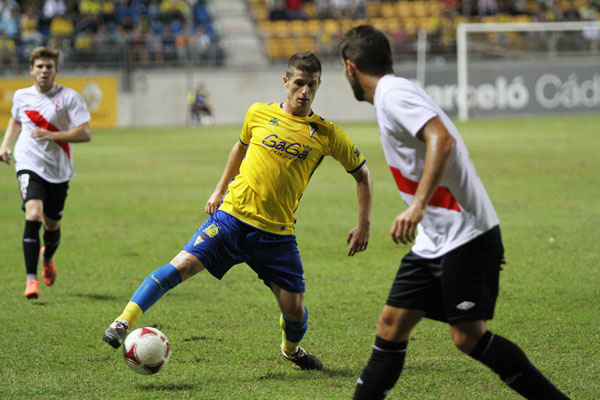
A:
[140,194]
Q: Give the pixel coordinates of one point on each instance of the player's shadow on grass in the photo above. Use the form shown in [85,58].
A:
[173,387]
[328,372]
[96,296]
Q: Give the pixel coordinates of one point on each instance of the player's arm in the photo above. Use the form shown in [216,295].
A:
[359,235]
[439,146]
[232,168]
[81,133]
[12,133]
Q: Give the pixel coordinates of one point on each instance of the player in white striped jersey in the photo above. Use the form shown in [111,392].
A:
[45,119]
[451,273]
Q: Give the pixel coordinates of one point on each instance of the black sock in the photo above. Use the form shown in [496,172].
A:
[51,241]
[31,245]
[382,370]
[512,365]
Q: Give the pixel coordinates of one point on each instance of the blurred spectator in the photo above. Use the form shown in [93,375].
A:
[174,10]
[89,15]
[31,37]
[341,9]
[589,11]
[8,55]
[51,9]
[154,44]
[9,25]
[323,9]
[6,8]
[277,9]
[103,44]
[200,43]
[486,7]
[168,43]
[200,108]
[571,13]
[84,44]
[61,26]
[295,9]
[107,11]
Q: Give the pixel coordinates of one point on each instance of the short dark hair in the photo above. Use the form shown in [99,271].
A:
[43,52]
[368,48]
[307,62]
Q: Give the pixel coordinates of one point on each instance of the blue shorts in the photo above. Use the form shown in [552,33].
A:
[224,241]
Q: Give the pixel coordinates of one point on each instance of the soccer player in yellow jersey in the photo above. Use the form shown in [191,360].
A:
[252,208]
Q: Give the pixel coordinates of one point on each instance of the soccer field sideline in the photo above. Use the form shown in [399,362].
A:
[139,195]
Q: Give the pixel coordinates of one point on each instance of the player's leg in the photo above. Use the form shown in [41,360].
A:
[209,248]
[505,358]
[415,292]
[34,210]
[54,203]
[387,357]
[183,266]
[294,324]
[470,288]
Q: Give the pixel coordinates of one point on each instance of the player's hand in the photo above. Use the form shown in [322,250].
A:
[214,201]
[42,134]
[404,227]
[360,240]
[5,156]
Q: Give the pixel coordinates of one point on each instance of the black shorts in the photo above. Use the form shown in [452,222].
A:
[53,195]
[460,286]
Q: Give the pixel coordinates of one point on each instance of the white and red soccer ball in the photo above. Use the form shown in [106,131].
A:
[146,350]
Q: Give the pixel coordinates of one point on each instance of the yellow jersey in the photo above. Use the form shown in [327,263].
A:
[283,152]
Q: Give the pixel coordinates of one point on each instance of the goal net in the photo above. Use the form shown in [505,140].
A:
[527,68]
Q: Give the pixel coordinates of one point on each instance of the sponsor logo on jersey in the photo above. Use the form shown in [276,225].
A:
[292,151]
[274,122]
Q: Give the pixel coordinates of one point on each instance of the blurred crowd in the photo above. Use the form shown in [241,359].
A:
[404,20]
[104,31]
[539,10]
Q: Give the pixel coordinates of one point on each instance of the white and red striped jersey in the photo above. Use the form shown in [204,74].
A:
[460,209]
[59,109]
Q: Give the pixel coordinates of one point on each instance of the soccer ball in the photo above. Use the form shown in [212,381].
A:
[146,350]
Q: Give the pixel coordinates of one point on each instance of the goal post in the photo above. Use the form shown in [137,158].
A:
[462,42]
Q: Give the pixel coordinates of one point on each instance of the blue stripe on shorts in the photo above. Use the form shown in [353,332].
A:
[224,241]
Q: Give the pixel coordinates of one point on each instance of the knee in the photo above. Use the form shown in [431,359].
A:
[464,341]
[389,329]
[187,265]
[296,313]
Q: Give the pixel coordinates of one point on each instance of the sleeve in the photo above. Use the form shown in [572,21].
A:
[246,134]
[343,149]
[14,111]
[77,110]
[408,110]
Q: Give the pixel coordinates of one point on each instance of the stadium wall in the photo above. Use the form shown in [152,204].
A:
[158,98]
[560,86]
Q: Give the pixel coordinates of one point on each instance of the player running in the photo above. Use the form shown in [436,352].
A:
[51,117]
[252,208]
[451,273]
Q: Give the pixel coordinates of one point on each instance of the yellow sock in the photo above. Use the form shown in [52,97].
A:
[288,347]
[131,313]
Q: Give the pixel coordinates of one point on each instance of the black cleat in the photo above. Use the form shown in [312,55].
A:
[115,334]
[304,359]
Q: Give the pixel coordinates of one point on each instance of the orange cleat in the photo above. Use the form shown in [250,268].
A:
[48,270]
[32,291]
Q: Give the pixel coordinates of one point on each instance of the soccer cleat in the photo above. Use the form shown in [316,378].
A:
[32,290]
[48,270]
[304,359]
[116,332]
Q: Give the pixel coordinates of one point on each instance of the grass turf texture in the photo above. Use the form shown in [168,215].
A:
[140,194]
